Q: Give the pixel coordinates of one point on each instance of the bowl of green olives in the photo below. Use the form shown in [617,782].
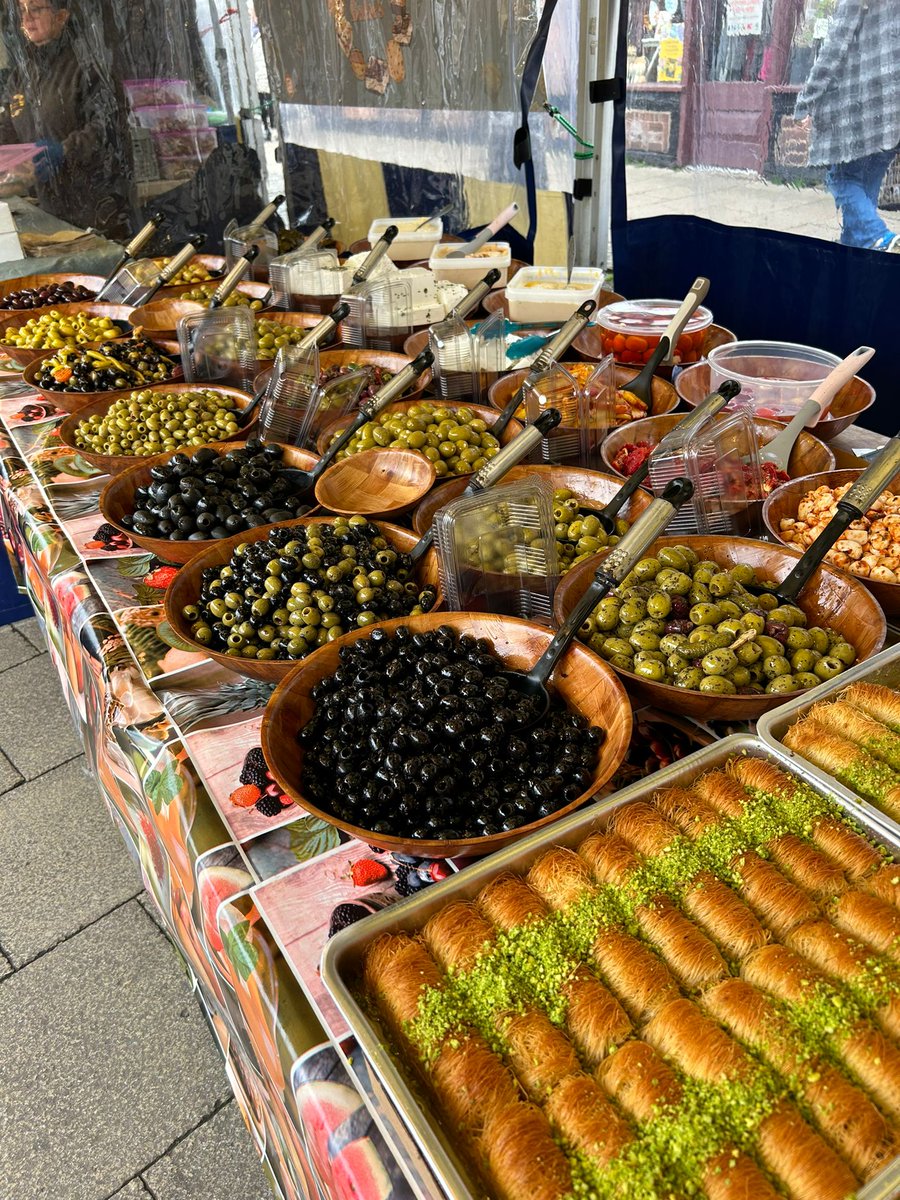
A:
[488,815]
[25,337]
[254,296]
[118,500]
[199,269]
[455,437]
[152,421]
[692,628]
[277,329]
[578,535]
[663,397]
[323,597]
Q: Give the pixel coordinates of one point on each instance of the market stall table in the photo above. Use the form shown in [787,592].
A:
[249,892]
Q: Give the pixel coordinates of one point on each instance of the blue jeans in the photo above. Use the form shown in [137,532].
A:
[855,187]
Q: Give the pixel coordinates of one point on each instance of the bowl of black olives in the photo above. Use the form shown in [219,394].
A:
[175,505]
[258,602]
[693,629]
[74,377]
[119,431]
[406,735]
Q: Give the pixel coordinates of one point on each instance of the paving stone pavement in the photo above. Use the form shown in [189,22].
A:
[112,1087]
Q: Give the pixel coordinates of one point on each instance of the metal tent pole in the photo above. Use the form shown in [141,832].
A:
[597,60]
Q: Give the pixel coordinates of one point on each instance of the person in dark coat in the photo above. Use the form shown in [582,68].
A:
[70,110]
[851,103]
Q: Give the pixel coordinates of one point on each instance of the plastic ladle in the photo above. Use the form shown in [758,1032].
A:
[612,570]
[642,384]
[778,451]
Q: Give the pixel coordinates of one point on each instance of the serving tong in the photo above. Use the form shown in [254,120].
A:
[609,574]
[131,251]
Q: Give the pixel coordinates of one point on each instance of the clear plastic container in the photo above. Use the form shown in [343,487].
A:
[775,377]
[178,167]
[630,330]
[172,143]
[587,410]
[410,244]
[219,346]
[142,92]
[473,267]
[721,459]
[496,551]
[172,116]
[296,276]
[538,294]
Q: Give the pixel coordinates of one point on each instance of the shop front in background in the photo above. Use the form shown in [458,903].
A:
[713,82]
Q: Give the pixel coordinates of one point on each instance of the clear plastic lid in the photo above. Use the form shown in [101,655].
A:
[721,459]
[306,273]
[386,309]
[776,378]
[131,283]
[219,346]
[587,410]
[648,318]
[496,551]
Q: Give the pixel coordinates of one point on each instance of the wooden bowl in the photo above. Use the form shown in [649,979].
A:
[830,598]
[663,397]
[185,588]
[23,357]
[591,487]
[496,301]
[589,345]
[176,295]
[72,402]
[808,457]
[21,282]
[214,263]
[298,320]
[377,483]
[693,385]
[584,681]
[159,319]
[785,501]
[117,500]
[488,415]
[112,464]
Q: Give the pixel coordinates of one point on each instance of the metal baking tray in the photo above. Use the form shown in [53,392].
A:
[343,955]
[883,668]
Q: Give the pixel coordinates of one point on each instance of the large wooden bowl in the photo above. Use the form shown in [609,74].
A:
[159,319]
[591,487]
[72,402]
[693,385]
[299,320]
[584,682]
[214,263]
[808,457]
[589,345]
[663,397]
[253,291]
[785,501]
[112,464]
[19,284]
[489,415]
[384,484]
[23,357]
[830,598]
[496,301]
[185,588]
[117,500]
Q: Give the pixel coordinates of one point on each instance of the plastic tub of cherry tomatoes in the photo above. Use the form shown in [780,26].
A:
[630,330]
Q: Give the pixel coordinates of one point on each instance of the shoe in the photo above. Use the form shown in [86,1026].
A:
[889,242]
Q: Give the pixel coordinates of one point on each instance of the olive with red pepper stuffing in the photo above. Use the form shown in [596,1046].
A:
[113,366]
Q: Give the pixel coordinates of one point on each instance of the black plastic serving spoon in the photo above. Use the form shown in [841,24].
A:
[612,570]
[642,384]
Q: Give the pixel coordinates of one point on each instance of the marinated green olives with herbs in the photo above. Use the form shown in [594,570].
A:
[152,422]
[204,292]
[302,586]
[736,641]
[272,335]
[578,534]
[455,440]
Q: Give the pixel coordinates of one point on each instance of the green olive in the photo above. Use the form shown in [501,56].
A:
[780,684]
[828,666]
[776,664]
[844,653]
[718,685]
[718,662]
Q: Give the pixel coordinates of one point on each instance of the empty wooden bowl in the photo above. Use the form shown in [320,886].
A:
[586,684]
[25,282]
[589,345]
[663,397]
[693,385]
[185,589]
[23,356]
[377,483]
[591,487]
[117,500]
[159,319]
[808,456]
[496,301]
[488,415]
[73,402]
[112,464]
[784,502]
[830,598]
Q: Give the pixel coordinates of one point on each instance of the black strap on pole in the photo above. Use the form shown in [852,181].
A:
[522,139]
